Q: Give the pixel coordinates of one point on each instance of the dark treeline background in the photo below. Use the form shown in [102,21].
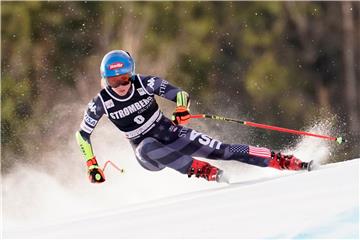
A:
[282,63]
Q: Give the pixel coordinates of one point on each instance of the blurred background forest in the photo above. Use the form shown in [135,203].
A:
[288,64]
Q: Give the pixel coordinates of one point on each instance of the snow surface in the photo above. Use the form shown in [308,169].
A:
[318,204]
[54,199]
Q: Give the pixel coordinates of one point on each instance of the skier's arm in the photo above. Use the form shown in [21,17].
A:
[161,87]
[91,117]
[182,111]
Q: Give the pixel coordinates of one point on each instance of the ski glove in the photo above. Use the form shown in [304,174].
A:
[181,115]
[96,175]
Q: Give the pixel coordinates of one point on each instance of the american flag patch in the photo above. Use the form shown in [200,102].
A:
[259,152]
[243,149]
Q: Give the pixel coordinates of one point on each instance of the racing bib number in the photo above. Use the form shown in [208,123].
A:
[139,119]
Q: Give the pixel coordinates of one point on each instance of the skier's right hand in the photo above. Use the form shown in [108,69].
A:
[96,174]
[181,115]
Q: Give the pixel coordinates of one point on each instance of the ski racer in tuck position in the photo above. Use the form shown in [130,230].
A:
[127,99]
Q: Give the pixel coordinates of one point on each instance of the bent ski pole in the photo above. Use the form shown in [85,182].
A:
[121,170]
[274,128]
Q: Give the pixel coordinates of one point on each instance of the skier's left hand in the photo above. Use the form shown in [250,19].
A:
[181,115]
[96,175]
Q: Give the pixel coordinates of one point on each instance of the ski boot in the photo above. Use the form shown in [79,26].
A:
[289,162]
[204,170]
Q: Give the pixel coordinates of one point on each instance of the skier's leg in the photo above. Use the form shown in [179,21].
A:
[150,152]
[158,155]
[197,144]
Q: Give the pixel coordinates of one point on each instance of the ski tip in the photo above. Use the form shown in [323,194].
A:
[310,165]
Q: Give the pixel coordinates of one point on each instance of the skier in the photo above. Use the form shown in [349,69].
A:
[127,99]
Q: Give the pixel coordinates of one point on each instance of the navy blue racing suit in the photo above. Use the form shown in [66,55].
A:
[156,140]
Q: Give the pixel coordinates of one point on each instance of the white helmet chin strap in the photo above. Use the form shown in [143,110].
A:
[133,62]
[104,83]
[133,70]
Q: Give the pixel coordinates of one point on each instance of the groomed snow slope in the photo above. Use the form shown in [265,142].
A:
[319,204]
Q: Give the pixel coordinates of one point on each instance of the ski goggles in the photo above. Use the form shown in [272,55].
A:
[119,80]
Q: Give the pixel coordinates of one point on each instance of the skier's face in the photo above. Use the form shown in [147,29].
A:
[120,84]
[119,80]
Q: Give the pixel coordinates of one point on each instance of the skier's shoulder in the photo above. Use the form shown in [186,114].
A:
[101,92]
[139,78]
[144,77]
[142,81]
[150,82]
[99,96]
[97,102]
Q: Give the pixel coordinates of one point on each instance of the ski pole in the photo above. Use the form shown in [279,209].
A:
[264,126]
[121,170]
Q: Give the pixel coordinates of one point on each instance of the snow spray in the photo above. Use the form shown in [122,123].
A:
[309,148]
[57,189]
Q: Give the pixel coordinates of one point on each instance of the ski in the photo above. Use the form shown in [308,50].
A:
[221,177]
